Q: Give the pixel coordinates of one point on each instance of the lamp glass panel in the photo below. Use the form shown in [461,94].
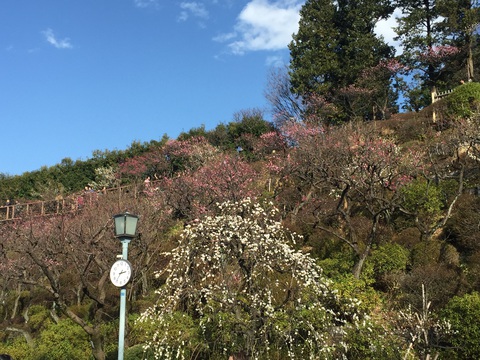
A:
[119,225]
[131,225]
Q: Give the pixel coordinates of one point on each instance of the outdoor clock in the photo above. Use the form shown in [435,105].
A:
[121,273]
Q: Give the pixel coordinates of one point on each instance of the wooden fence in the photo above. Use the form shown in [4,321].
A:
[70,204]
[437,96]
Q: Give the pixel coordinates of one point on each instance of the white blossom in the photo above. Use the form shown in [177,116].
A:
[237,277]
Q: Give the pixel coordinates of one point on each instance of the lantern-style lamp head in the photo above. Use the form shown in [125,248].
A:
[125,225]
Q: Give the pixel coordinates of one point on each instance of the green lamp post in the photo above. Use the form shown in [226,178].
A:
[121,270]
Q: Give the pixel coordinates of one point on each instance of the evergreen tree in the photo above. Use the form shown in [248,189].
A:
[428,50]
[314,64]
[335,43]
[461,19]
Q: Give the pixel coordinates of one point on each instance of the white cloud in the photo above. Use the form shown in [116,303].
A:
[194,9]
[225,37]
[270,24]
[275,61]
[265,25]
[145,3]
[385,28]
[58,43]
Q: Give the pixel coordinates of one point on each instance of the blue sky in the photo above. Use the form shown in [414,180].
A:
[78,76]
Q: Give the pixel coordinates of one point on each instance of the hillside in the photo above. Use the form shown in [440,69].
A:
[385,210]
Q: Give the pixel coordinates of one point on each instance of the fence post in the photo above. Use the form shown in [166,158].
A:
[434,98]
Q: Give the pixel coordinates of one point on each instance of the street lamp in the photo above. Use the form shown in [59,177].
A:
[121,271]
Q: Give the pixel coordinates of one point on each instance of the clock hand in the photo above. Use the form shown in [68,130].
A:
[120,273]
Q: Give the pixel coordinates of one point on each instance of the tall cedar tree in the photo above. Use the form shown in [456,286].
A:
[420,33]
[461,19]
[335,43]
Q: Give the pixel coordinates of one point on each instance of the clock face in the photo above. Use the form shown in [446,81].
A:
[121,273]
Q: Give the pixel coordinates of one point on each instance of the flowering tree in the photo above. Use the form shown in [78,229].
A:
[63,262]
[382,98]
[343,175]
[105,177]
[430,67]
[193,192]
[47,255]
[173,157]
[235,285]
[189,154]
[269,143]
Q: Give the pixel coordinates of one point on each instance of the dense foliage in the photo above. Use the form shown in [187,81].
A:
[464,101]
[337,59]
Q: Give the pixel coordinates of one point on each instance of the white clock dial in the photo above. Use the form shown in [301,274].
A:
[121,273]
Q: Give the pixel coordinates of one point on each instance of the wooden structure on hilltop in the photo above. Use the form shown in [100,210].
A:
[435,97]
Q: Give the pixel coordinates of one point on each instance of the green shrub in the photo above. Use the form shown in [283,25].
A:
[385,265]
[388,258]
[17,349]
[464,101]
[463,313]
[374,343]
[110,338]
[64,340]
[426,253]
[422,197]
[348,286]
[137,352]
[38,317]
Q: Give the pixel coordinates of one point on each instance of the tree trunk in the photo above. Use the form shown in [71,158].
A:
[26,335]
[17,301]
[93,332]
[357,269]
[144,279]
[470,58]
[97,345]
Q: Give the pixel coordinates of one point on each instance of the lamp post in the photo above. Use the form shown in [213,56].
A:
[121,271]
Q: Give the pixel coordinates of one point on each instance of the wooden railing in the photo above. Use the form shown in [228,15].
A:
[72,203]
[442,94]
[437,96]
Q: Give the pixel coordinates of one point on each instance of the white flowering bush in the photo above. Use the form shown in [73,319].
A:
[236,285]
[105,177]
